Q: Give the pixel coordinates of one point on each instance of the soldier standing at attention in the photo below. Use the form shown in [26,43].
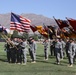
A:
[67,47]
[57,50]
[75,50]
[19,51]
[62,49]
[14,53]
[33,48]
[13,50]
[52,47]
[46,47]
[7,48]
[24,51]
[29,43]
[71,52]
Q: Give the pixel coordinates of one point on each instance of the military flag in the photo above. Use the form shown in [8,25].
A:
[33,27]
[72,23]
[42,31]
[61,23]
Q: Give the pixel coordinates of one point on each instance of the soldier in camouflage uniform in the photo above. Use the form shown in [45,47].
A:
[58,47]
[33,48]
[46,48]
[24,51]
[71,52]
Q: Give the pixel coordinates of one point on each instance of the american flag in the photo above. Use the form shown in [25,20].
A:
[19,23]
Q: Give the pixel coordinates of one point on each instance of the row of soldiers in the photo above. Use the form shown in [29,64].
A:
[60,48]
[17,50]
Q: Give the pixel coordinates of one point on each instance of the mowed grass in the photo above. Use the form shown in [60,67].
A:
[42,67]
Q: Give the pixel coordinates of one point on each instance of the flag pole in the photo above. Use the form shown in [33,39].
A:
[7,39]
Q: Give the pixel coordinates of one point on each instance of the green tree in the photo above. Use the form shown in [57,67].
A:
[35,36]
[25,35]
[15,34]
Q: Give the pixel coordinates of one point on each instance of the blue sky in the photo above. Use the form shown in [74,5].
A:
[49,8]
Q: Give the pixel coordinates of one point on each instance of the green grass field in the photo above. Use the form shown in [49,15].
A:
[40,68]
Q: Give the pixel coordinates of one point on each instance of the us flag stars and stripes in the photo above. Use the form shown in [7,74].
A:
[19,23]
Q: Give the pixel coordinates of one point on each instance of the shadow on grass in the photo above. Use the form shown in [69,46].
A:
[40,55]
[3,58]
